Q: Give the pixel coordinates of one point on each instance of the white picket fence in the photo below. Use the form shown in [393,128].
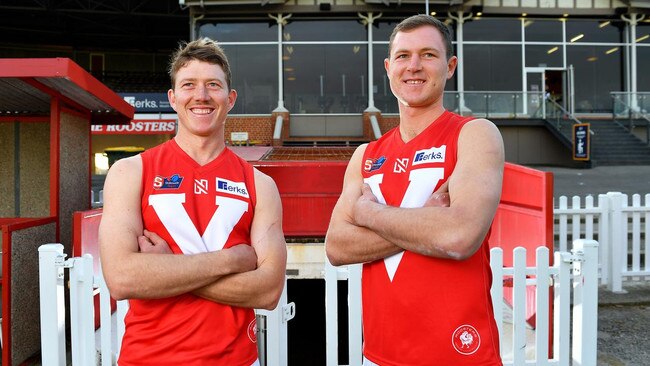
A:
[574,322]
[621,229]
[84,284]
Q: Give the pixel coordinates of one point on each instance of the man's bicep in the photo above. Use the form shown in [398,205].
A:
[267,237]
[351,191]
[477,179]
[121,216]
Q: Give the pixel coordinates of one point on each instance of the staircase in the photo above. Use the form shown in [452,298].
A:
[612,144]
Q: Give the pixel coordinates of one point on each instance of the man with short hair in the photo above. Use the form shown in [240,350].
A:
[416,209]
[192,234]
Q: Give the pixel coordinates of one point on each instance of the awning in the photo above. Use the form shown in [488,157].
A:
[27,87]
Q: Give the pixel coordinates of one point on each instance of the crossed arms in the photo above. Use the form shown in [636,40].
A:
[363,230]
[247,276]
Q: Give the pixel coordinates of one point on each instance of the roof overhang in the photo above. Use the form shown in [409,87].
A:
[27,87]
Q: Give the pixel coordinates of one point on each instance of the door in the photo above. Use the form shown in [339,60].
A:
[554,84]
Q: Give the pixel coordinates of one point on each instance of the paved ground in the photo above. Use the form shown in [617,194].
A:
[594,181]
[623,319]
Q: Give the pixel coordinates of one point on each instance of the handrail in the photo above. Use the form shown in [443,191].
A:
[631,110]
[570,115]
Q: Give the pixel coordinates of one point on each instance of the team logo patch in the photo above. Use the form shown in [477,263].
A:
[252,331]
[374,164]
[401,165]
[466,340]
[432,155]
[173,182]
[228,186]
[200,186]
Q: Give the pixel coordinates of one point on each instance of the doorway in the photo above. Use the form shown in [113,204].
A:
[553,85]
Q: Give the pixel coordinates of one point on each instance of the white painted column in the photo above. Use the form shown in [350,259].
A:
[368,21]
[281,21]
[460,68]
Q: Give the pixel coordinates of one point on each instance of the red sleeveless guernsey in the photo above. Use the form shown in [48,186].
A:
[195,209]
[419,310]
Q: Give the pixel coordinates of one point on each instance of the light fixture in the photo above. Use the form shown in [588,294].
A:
[433,13]
[479,14]
[291,78]
[524,14]
[552,50]
[592,59]
[611,50]
[579,36]
[642,38]
[288,69]
[604,24]
[565,15]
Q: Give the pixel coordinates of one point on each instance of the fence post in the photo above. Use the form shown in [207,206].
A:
[355,345]
[585,302]
[561,309]
[276,326]
[82,311]
[50,273]
[604,238]
[618,241]
[331,315]
[496,291]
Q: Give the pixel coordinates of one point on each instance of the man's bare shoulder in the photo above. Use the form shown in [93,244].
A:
[130,165]
[263,180]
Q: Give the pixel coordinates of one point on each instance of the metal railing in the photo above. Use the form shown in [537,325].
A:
[557,115]
[496,104]
[631,107]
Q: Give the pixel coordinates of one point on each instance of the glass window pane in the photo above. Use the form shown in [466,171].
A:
[596,74]
[538,30]
[240,32]
[385,101]
[643,79]
[544,56]
[580,31]
[325,78]
[492,29]
[325,30]
[255,77]
[492,67]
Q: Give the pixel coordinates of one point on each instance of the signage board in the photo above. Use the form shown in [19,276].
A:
[138,127]
[581,141]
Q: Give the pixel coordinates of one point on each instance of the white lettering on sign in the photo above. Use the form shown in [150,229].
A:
[137,127]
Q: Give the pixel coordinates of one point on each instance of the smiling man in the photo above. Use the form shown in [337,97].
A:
[191,234]
[416,209]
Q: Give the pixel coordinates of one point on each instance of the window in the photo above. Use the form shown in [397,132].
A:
[255,77]
[240,32]
[325,78]
[597,72]
[538,30]
[492,29]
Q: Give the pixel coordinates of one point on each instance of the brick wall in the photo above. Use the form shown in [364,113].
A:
[259,128]
[386,123]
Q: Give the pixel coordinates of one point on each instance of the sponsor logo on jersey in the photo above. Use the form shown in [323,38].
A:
[236,188]
[173,182]
[374,164]
[401,165]
[432,155]
[200,186]
[466,339]
[252,331]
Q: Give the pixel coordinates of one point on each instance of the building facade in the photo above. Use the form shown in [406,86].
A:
[322,57]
